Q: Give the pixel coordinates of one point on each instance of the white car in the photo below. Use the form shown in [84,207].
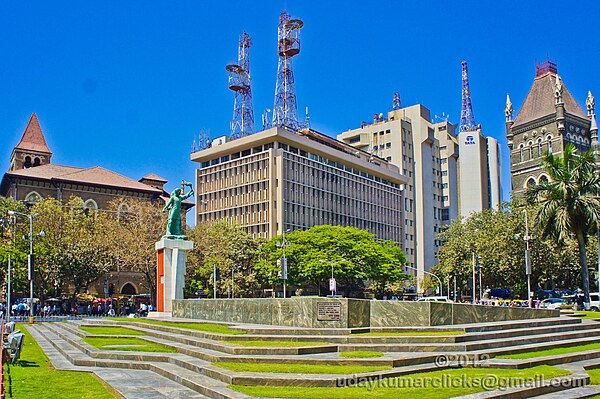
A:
[434,299]
[594,301]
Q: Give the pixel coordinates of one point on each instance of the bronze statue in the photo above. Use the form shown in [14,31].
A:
[174,208]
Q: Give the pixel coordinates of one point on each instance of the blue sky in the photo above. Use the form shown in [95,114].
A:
[127,85]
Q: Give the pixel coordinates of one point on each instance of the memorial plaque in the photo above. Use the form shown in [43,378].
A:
[329,311]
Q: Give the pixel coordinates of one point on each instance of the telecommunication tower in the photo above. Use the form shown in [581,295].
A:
[242,123]
[467,120]
[396,105]
[285,110]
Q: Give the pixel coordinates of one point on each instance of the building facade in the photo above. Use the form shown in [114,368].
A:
[549,119]
[276,180]
[449,174]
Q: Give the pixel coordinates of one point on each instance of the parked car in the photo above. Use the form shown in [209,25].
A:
[594,302]
[546,303]
[434,299]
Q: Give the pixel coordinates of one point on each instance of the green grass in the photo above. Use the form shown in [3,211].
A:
[275,343]
[594,376]
[396,388]
[206,327]
[101,330]
[410,333]
[549,352]
[34,377]
[136,344]
[298,368]
[361,354]
[589,315]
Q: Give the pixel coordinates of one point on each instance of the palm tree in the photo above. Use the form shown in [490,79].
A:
[569,201]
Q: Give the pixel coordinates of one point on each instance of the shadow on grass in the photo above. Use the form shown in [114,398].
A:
[25,363]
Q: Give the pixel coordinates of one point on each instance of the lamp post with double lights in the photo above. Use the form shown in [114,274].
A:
[30,258]
[431,274]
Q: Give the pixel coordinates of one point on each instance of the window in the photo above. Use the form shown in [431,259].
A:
[90,205]
[32,198]
[354,139]
[549,144]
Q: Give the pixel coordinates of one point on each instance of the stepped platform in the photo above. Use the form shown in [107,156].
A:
[194,367]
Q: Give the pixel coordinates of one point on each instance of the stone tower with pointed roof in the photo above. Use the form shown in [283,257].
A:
[549,119]
[32,150]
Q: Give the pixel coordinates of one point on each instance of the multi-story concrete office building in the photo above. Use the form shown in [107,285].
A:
[276,180]
[448,175]
[407,139]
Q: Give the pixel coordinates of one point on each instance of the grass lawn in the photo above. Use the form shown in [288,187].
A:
[34,377]
[399,387]
[550,352]
[361,354]
[590,315]
[102,330]
[594,376]
[274,343]
[206,327]
[126,344]
[410,333]
[298,368]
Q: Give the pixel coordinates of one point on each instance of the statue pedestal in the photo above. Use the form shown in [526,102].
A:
[171,256]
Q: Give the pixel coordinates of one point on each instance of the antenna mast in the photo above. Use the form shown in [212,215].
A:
[242,123]
[285,110]
[467,120]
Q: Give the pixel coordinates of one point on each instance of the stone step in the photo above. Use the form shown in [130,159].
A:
[536,339]
[574,393]
[200,383]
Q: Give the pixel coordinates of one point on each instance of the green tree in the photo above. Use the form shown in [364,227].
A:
[496,238]
[355,256]
[231,249]
[12,244]
[134,226]
[569,202]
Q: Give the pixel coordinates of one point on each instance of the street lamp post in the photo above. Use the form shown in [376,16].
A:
[431,274]
[284,271]
[527,258]
[30,259]
[473,297]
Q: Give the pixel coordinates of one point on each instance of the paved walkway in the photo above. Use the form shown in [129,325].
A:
[131,384]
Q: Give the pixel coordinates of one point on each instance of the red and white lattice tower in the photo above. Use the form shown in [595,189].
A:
[467,120]
[285,110]
[242,123]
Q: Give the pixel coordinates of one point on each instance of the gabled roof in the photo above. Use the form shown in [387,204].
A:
[155,177]
[540,101]
[33,138]
[92,176]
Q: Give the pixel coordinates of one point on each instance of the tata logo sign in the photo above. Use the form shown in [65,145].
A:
[470,140]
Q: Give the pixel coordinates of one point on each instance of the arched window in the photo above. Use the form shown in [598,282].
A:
[27,163]
[36,161]
[90,205]
[32,198]
[128,289]
[530,182]
[543,179]
[521,152]
[540,147]
[549,144]
[531,150]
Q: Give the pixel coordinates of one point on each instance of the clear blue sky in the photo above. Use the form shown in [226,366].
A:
[128,84]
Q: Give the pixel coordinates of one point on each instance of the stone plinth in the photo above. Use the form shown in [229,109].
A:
[315,312]
[171,259]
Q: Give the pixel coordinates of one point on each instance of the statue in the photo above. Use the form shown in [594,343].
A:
[558,90]
[590,103]
[174,208]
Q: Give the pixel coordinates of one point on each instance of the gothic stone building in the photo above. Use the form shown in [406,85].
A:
[32,176]
[549,119]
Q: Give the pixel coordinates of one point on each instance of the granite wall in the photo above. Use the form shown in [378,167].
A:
[312,312]
[315,312]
